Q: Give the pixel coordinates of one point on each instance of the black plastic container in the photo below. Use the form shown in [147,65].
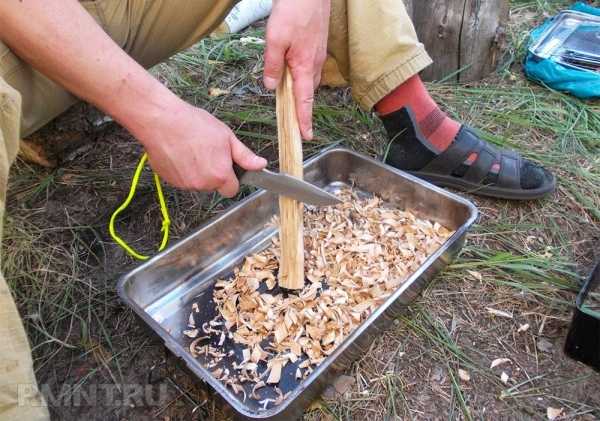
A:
[583,339]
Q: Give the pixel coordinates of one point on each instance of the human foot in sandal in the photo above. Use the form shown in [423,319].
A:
[427,143]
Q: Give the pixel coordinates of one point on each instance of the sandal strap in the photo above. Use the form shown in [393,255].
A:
[510,170]
[465,144]
[482,166]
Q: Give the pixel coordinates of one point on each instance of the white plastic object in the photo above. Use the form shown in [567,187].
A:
[246,12]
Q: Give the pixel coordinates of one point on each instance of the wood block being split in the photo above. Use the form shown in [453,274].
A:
[291,270]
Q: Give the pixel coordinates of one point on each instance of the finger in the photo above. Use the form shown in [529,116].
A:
[319,64]
[274,62]
[305,96]
[244,157]
[231,185]
[317,80]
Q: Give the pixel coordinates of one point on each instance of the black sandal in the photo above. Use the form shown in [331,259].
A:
[411,152]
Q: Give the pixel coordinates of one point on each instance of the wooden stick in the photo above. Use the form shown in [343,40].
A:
[291,267]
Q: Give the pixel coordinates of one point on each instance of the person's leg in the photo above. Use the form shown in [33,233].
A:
[149,30]
[436,126]
[157,29]
[20,398]
[374,47]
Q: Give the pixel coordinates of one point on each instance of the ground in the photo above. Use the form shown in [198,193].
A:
[525,260]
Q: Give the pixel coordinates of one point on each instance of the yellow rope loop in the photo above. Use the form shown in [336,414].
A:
[166,220]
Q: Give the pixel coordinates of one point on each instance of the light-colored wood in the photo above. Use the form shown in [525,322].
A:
[291,267]
[465,38]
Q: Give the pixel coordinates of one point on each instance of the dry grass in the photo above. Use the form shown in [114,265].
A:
[522,259]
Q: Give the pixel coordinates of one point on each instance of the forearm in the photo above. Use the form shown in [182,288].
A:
[61,40]
[186,146]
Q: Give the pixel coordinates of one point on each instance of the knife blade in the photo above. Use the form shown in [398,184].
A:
[286,185]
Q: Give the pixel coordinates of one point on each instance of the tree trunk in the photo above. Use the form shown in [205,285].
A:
[465,38]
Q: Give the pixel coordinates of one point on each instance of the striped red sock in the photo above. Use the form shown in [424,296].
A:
[439,129]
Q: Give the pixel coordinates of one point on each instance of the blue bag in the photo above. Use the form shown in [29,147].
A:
[557,72]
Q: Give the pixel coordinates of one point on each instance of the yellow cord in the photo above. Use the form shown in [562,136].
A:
[166,221]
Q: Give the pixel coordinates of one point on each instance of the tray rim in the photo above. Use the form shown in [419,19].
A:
[204,374]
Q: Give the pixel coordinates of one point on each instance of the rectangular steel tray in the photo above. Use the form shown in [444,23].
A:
[162,290]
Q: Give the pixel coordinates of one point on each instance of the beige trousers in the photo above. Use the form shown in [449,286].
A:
[372,47]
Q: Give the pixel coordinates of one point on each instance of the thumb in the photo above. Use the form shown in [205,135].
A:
[244,157]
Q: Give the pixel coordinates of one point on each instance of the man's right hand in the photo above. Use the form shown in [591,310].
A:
[191,149]
[186,146]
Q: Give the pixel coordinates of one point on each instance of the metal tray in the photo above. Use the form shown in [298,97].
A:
[162,290]
[571,32]
[572,39]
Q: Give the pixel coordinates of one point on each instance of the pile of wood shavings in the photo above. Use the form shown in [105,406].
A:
[356,255]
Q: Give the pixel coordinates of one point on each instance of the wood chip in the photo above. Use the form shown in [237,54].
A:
[195,343]
[476,275]
[247,354]
[358,253]
[191,333]
[275,373]
[251,40]
[31,152]
[499,313]
[258,354]
[238,389]
[265,403]
[554,413]
[215,92]
[257,386]
[304,364]
[280,333]
[499,361]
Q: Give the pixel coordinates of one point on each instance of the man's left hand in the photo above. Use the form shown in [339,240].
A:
[297,36]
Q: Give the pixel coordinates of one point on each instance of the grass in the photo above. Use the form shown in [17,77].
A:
[526,259]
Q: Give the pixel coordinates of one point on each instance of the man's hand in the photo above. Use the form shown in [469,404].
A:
[191,149]
[186,146]
[297,34]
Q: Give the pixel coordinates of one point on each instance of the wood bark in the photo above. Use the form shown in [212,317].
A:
[291,263]
[465,38]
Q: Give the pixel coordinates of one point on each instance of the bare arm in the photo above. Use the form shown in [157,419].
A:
[186,146]
[61,40]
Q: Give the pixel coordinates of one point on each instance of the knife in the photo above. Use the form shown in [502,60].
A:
[286,185]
